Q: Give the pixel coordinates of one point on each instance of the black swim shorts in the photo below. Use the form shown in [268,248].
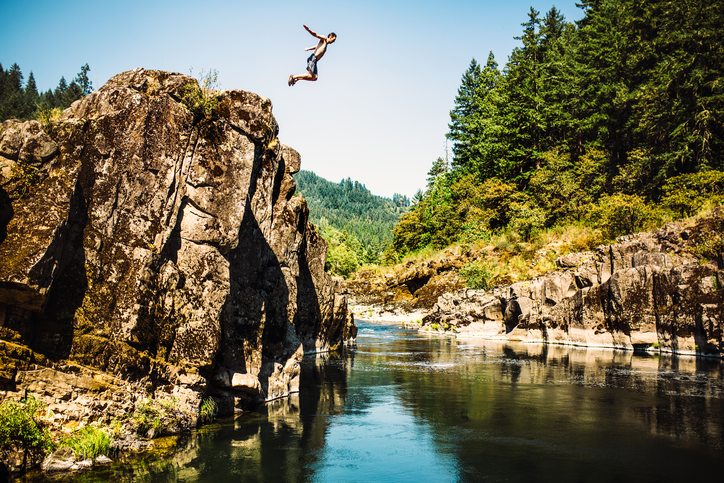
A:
[312,64]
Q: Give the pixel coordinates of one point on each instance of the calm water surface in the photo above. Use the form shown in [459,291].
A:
[407,407]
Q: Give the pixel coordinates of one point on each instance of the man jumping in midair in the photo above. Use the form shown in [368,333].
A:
[319,51]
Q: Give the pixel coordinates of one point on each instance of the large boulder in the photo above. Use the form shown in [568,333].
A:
[161,245]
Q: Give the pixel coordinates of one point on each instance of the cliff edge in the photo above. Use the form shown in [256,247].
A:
[148,250]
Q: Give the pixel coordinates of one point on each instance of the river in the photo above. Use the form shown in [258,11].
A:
[403,406]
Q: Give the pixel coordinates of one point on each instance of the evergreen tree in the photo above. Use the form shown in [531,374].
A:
[13,102]
[84,83]
[439,167]
[488,127]
[59,92]
[462,116]
[22,102]
[31,95]
[522,107]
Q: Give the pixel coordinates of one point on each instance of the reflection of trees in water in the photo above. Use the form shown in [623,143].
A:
[514,387]
[505,396]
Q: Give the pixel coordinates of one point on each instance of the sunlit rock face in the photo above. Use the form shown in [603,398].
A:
[160,247]
[659,291]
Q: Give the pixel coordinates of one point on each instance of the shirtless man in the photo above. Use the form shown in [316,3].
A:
[319,51]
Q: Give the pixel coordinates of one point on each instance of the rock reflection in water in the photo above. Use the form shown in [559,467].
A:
[278,442]
[408,407]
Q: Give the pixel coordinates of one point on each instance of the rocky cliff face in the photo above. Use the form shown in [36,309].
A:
[146,253]
[659,291]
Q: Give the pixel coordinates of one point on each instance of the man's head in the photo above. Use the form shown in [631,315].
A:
[331,37]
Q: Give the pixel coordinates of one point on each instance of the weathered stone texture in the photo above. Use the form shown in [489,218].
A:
[154,248]
[650,291]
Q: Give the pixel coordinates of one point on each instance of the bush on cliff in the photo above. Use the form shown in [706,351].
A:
[20,427]
[201,99]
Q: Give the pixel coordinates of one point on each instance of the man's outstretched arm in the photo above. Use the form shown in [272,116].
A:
[314,34]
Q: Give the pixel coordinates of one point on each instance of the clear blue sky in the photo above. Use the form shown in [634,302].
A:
[380,109]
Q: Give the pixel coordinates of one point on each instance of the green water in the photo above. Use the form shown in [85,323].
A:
[406,407]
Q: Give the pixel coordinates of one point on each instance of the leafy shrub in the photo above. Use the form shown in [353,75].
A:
[477,275]
[88,442]
[200,97]
[153,416]
[208,409]
[24,177]
[688,193]
[710,243]
[526,220]
[622,214]
[49,119]
[19,425]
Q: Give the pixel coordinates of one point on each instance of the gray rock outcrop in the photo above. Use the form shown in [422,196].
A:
[656,291]
[150,250]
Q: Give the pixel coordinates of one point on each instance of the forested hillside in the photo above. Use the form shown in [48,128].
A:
[356,224]
[23,101]
[615,122]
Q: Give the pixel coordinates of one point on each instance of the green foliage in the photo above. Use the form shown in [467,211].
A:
[595,121]
[343,250]
[478,275]
[622,214]
[349,207]
[88,442]
[200,98]
[153,416]
[710,246]
[25,102]
[208,410]
[24,177]
[49,119]
[19,426]
[688,193]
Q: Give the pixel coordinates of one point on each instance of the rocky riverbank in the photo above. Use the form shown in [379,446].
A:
[151,248]
[659,291]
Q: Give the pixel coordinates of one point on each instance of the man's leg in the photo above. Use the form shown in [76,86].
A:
[309,76]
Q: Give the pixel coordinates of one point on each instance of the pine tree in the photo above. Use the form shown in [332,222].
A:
[31,96]
[439,167]
[13,102]
[462,117]
[523,103]
[85,84]
[488,145]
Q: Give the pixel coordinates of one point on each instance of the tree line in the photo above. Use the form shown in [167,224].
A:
[356,224]
[616,120]
[22,100]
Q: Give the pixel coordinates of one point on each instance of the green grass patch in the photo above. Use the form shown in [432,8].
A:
[88,442]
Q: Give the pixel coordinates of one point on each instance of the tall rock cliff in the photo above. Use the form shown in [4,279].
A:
[659,291]
[148,250]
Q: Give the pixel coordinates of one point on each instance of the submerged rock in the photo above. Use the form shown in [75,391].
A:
[150,249]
